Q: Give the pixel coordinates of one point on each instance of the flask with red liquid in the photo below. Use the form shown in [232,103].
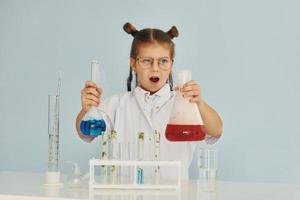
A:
[185,123]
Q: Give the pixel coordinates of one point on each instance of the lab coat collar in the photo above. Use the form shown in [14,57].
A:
[164,91]
[163,96]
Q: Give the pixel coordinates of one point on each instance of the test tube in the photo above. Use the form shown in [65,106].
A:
[113,149]
[157,155]
[129,157]
[53,132]
[140,171]
[119,172]
[125,172]
[104,156]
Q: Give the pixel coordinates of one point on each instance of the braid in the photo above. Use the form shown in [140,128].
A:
[171,81]
[129,79]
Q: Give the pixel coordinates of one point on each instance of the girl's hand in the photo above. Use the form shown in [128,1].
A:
[192,91]
[90,95]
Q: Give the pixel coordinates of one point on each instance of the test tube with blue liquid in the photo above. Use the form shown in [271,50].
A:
[140,171]
[92,123]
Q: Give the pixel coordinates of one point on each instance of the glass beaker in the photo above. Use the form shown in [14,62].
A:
[185,123]
[53,132]
[207,168]
[92,123]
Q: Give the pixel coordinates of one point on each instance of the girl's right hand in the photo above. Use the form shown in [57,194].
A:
[90,95]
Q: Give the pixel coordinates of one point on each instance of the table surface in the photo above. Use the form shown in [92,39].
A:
[25,185]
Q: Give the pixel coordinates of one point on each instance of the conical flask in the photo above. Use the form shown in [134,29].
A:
[185,123]
[92,123]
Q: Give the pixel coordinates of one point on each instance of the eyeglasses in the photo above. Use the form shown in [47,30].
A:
[163,63]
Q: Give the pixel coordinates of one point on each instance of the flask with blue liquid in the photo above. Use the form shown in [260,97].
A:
[93,124]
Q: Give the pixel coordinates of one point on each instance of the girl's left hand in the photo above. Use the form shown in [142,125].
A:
[192,91]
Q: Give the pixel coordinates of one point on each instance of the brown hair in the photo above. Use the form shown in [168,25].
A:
[149,35]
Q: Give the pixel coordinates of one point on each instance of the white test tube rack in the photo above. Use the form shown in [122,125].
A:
[135,164]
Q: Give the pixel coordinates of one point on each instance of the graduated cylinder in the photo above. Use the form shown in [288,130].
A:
[53,132]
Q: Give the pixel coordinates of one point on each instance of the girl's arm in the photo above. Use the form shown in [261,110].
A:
[212,121]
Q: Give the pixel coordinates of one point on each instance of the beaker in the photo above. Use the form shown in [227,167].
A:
[92,123]
[53,132]
[207,169]
[185,123]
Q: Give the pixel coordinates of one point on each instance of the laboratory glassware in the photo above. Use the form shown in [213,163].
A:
[140,156]
[92,123]
[185,123]
[75,179]
[157,155]
[207,168]
[53,174]
[53,132]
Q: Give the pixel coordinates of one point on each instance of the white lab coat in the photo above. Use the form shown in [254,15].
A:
[137,111]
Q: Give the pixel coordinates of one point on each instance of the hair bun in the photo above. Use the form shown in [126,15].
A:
[130,29]
[173,32]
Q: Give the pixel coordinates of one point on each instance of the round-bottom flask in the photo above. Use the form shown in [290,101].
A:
[92,123]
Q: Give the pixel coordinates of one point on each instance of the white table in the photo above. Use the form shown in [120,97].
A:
[24,185]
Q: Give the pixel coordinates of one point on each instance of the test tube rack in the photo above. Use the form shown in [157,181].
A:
[93,184]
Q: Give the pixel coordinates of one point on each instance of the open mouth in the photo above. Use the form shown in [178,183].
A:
[154,79]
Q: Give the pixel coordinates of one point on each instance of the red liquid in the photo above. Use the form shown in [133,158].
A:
[176,133]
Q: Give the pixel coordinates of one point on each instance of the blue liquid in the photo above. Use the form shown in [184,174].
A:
[93,127]
[140,176]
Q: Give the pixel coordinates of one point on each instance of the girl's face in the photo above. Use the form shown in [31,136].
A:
[152,66]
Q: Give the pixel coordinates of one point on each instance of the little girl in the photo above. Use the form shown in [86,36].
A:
[148,106]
